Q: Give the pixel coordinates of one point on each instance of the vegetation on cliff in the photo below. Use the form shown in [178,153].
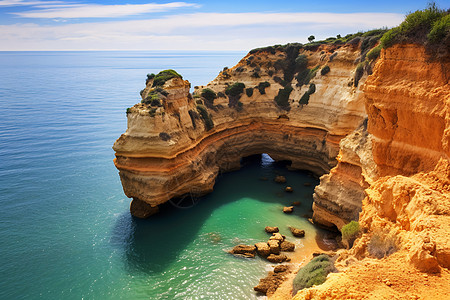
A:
[429,27]
[206,117]
[161,78]
[314,273]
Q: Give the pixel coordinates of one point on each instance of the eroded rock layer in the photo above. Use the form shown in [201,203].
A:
[178,144]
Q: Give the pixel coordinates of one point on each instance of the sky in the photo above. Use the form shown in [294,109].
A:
[30,25]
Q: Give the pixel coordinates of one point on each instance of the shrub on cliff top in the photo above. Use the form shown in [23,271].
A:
[163,76]
[417,26]
[374,53]
[314,273]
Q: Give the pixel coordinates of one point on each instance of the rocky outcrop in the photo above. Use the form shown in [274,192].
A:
[178,146]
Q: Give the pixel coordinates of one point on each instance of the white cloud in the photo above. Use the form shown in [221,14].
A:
[200,31]
[99,10]
[26,2]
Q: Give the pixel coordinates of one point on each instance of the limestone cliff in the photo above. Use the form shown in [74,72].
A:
[402,161]
[179,144]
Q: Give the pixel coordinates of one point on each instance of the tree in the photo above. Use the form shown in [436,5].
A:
[311,38]
[338,36]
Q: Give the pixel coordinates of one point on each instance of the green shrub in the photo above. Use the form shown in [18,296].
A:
[194,116]
[235,89]
[163,76]
[302,76]
[440,29]
[206,117]
[301,61]
[325,70]
[374,53]
[262,87]
[350,230]
[304,100]
[358,74]
[417,26]
[152,112]
[282,99]
[209,95]
[128,110]
[255,75]
[313,273]
[239,106]
[312,89]
[249,92]
[382,244]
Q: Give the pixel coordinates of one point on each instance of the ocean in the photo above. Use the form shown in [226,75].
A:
[65,227]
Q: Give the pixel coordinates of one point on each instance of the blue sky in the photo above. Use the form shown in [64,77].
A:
[187,25]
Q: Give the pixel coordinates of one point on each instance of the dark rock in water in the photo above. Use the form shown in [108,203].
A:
[262,249]
[280,179]
[287,246]
[274,246]
[288,209]
[263,178]
[270,229]
[296,203]
[244,250]
[277,258]
[297,232]
[289,189]
[307,184]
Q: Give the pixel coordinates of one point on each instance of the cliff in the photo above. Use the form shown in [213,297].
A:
[401,161]
[178,146]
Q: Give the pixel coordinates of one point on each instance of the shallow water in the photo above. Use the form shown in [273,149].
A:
[65,229]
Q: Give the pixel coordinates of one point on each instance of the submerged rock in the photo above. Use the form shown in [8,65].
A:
[270,229]
[296,203]
[289,189]
[288,209]
[280,179]
[269,284]
[297,232]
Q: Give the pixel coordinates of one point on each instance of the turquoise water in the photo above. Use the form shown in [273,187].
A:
[65,229]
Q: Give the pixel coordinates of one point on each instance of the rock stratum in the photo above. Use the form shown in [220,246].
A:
[379,140]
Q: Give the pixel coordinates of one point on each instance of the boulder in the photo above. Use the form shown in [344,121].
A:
[277,236]
[281,268]
[270,229]
[244,250]
[288,209]
[289,189]
[262,249]
[287,246]
[280,179]
[277,258]
[297,232]
[274,246]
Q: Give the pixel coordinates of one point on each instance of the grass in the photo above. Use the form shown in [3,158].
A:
[314,273]
[382,244]
[164,76]
[350,231]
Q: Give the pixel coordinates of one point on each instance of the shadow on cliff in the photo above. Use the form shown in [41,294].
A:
[152,245]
